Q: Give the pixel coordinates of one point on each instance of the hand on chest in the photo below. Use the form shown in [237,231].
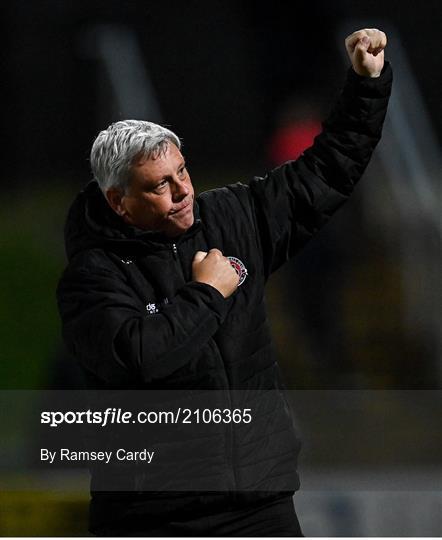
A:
[167,270]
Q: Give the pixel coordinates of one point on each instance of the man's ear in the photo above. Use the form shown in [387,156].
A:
[114,197]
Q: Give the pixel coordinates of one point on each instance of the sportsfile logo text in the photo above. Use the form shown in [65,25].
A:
[113,415]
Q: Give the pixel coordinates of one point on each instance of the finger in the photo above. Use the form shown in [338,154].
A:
[363,44]
[215,251]
[353,39]
[199,256]
[378,40]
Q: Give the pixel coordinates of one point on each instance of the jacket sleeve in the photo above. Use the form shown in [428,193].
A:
[296,199]
[114,338]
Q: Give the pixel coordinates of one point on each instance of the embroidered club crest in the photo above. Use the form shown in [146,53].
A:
[239,268]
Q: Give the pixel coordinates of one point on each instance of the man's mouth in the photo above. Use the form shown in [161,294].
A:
[182,208]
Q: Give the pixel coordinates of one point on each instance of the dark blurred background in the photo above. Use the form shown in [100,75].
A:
[245,86]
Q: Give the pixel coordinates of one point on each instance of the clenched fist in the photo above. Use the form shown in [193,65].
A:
[366,51]
[215,270]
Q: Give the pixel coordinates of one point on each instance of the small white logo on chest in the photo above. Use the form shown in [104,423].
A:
[151,308]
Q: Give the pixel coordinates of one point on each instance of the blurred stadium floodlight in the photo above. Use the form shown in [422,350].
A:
[410,159]
[117,48]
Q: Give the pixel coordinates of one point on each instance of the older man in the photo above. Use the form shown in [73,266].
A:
[167,290]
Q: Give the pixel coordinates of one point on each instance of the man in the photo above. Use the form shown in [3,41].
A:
[165,290]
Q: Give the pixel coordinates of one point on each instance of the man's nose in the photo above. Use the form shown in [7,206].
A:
[180,189]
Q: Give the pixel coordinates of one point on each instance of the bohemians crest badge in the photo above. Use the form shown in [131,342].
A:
[239,268]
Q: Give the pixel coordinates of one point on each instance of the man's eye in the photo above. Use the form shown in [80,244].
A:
[159,188]
[182,171]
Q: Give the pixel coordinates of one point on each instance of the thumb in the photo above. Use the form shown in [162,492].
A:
[363,44]
[199,256]
[361,48]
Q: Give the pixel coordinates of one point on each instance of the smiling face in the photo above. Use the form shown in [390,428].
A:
[160,194]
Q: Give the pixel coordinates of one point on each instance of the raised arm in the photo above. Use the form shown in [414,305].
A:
[296,199]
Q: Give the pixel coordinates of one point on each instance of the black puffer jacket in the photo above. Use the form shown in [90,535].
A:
[133,317]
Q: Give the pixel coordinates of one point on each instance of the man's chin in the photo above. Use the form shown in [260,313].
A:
[180,226]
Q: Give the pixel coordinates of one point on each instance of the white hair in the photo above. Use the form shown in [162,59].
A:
[115,149]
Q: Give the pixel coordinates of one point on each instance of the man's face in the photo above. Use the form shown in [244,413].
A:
[160,194]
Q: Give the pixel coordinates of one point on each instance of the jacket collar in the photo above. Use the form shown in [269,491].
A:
[92,223]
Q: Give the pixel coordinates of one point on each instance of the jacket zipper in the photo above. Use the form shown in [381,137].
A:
[177,260]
